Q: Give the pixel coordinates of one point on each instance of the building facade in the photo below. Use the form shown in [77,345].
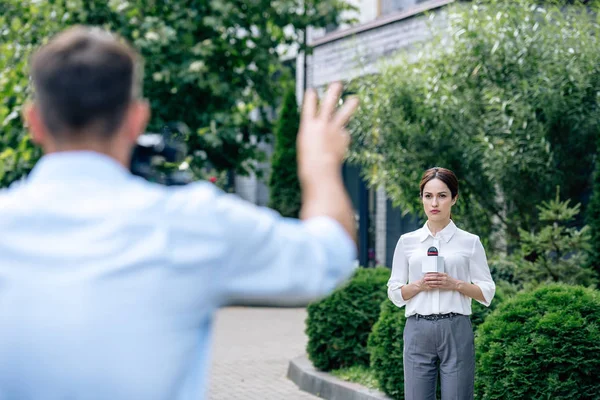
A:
[383,28]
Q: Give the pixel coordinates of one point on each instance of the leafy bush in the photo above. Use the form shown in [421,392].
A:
[284,184]
[386,345]
[506,97]
[479,312]
[543,344]
[25,25]
[338,326]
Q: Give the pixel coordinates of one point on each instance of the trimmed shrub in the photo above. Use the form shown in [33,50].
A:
[480,312]
[338,326]
[543,344]
[386,345]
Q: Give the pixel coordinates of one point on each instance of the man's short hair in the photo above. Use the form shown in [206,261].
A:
[84,80]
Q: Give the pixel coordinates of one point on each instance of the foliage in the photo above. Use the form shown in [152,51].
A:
[543,344]
[24,26]
[507,98]
[558,252]
[555,2]
[479,312]
[208,65]
[338,326]
[593,218]
[386,345]
[284,184]
[358,374]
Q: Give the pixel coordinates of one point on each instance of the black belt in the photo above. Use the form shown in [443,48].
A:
[435,317]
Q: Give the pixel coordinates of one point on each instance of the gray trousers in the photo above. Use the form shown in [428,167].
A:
[445,345]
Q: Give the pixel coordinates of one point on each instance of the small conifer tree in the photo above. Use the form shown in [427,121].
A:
[285,195]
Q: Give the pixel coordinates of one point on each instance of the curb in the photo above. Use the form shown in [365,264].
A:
[326,386]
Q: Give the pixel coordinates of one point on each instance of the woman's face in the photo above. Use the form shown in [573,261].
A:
[437,200]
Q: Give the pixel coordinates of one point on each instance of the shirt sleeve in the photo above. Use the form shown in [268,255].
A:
[399,275]
[281,260]
[480,272]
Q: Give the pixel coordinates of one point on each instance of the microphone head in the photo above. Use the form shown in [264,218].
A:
[432,251]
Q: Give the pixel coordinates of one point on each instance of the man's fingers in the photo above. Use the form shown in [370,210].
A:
[331,100]
[343,115]
[309,106]
[347,138]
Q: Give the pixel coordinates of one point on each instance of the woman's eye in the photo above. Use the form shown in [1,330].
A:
[427,196]
[443,195]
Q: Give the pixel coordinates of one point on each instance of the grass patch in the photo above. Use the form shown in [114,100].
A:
[357,374]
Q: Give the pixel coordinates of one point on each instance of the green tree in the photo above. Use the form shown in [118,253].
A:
[506,97]
[558,252]
[593,217]
[208,65]
[284,183]
[24,26]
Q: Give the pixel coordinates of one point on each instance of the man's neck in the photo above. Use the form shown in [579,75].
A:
[109,149]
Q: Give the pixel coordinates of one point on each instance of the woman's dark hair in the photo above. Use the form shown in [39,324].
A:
[444,175]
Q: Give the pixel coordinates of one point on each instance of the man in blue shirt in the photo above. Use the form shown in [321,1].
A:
[108,283]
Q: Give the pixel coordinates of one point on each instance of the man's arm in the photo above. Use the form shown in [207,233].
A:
[272,259]
[286,260]
[322,144]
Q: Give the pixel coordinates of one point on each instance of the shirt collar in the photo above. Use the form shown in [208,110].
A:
[78,165]
[446,233]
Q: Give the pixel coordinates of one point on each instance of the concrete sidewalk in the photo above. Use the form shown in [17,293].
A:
[251,351]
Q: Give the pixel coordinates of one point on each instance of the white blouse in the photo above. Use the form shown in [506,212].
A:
[463,258]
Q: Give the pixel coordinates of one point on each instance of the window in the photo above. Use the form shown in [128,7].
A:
[331,28]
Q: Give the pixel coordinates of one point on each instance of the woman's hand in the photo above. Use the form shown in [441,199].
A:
[436,280]
[423,285]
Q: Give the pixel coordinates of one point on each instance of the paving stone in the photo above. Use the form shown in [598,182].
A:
[252,347]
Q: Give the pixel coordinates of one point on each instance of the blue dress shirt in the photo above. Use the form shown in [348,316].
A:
[108,283]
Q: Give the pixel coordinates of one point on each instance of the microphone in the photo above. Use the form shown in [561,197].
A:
[433,262]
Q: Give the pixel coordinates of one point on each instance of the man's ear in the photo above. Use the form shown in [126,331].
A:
[33,121]
[139,115]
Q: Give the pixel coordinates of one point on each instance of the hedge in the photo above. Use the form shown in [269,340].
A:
[338,326]
[543,344]
[386,344]
[479,312]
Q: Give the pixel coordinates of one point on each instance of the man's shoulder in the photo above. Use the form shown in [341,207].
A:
[199,193]
[9,195]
